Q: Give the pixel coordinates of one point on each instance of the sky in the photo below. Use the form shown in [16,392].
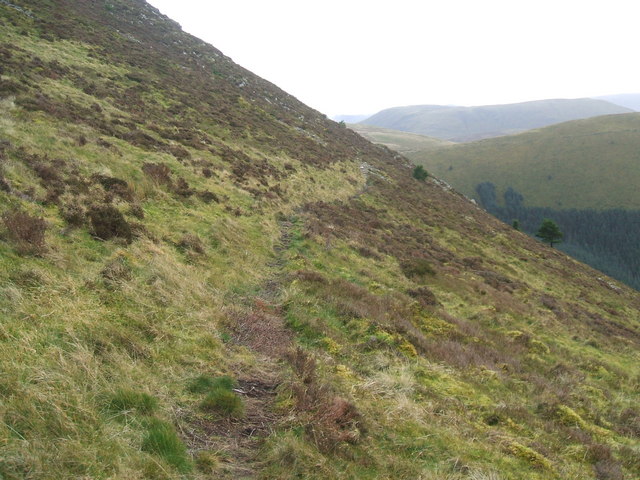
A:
[362,56]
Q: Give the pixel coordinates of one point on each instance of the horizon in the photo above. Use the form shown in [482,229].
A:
[358,114]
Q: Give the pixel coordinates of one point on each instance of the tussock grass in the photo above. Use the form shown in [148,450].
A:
[124,401]
[161,439]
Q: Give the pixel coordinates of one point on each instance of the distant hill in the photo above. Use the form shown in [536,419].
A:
[582,174]
[403,142]
[628,100]
[591,163]
[463,124]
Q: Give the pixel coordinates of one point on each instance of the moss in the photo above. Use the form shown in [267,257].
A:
[529,455]
[330,345]
[407,348]
[567,416]
[538,347]
[344,371]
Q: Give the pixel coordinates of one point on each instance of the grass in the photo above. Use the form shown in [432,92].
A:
[223,402]
[124,401]
[560,166]
[403,142]
[119,355]
[161,439]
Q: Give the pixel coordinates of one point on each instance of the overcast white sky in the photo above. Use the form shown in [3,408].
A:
[361,56]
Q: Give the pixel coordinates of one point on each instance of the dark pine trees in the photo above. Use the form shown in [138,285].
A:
[549,232]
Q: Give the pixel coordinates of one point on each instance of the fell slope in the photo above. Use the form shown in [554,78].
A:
[231,286]
[464,124]
[402,142]
[590,163]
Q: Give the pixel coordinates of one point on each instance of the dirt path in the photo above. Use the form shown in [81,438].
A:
[261,328]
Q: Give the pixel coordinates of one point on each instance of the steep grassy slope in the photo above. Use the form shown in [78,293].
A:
[590,163]
[203,278]
[402,142]
[464,124]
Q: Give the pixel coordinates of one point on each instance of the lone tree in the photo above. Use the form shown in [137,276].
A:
[549,232]
[420,173]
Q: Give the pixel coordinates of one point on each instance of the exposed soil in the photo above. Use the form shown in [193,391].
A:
[262,329]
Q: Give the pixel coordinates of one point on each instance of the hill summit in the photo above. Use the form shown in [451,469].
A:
[201,277]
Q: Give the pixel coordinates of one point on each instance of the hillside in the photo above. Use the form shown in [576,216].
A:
[581,164]
[200,277]
[583,174]
[401,142]
[464,124]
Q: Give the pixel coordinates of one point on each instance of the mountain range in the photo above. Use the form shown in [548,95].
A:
[463,124]
[201,277]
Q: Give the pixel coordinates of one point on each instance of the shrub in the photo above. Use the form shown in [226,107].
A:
[108,222]
[115,185]
[125,400]
[419,173]
[182,188]
[630,422]
[608,470]
[137,211]
[27,232]
[207,197]
[423,296]
[73,213]
[418,267]
[161,439]
[330,420]
[158,172]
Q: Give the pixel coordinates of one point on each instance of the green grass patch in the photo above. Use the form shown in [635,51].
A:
[131,401]
[161,439]
[224,403]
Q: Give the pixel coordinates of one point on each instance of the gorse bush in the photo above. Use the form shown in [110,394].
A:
[26,231]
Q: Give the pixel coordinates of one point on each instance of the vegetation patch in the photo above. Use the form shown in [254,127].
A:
[26,231]
[125,401]
[162,440]
[108,222]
